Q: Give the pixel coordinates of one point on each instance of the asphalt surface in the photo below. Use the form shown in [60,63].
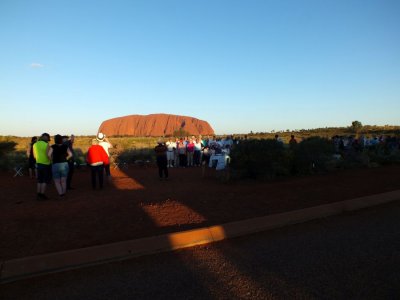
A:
[356,256]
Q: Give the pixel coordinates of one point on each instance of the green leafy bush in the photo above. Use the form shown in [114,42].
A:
[313,155]
[132,155]
[382,156]
[7,147]
[9,158]
[259,159]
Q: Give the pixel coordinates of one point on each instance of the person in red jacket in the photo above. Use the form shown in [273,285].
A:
[97,158]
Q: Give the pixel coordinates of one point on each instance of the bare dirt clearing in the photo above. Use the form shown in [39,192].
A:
[137,204]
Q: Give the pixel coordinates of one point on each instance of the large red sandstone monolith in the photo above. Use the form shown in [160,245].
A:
[154,125]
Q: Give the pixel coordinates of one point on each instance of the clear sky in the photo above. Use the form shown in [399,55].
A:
[65,66]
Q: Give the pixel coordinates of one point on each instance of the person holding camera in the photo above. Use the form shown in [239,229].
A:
[162,162]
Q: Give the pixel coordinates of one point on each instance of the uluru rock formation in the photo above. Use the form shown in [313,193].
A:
[154,125]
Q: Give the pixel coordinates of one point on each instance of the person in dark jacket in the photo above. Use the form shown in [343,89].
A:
[31,158]
[60,154]
[71,162]
[161,156]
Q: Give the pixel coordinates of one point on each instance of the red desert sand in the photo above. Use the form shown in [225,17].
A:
[137,204]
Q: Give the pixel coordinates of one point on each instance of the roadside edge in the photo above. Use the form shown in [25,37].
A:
[21,268]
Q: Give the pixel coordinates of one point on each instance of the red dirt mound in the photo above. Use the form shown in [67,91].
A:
[154,125]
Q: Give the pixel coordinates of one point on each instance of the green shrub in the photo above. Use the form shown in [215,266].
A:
[133,155]
[379,155]
[7,147]
[9,158]
[313,155]
[259,159]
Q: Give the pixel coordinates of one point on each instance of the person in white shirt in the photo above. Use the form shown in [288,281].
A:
[197,152]
[171,146]
[105,143]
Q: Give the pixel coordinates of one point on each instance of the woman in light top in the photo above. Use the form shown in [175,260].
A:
[171,146]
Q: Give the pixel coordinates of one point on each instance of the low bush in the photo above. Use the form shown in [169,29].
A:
[266,159]
[7,147]
[313,155]
[260,159]
[9,158]
[383,156]
[133,155]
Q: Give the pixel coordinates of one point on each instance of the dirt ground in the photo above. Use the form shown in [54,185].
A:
[137,204]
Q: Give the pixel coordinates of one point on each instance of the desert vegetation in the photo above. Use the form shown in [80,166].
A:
[254,155]
[268,158]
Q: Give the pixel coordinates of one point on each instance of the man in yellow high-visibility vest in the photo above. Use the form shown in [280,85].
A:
[43,164]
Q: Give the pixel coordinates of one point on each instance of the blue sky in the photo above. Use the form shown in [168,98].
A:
[65,66]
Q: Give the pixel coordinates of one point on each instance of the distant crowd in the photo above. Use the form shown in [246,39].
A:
[190,152]
[351,143]
[57,161]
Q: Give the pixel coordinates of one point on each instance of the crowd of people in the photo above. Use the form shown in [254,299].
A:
[351,143]
[57,162]
[188,152]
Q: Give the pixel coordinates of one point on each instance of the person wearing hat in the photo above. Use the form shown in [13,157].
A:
[97,158]
[161,156]
[41,152]
[105,143]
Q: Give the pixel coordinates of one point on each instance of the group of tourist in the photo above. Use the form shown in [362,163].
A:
[351,143]
[51,162]
[189,152]
[57,162]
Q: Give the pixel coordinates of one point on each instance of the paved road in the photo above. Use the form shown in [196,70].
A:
[355,256]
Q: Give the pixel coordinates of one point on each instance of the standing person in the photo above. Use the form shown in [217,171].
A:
[97,158]
[60,153]
[176,153]
[31,158]
[71,162]
[171,146]
[41,151]
[278,139]
[292,142]
[197,152]
[161,156]
[105,143]
[182,153]
[190,152]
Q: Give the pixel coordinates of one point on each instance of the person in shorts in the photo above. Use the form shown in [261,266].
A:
[41,151]
[60,153]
